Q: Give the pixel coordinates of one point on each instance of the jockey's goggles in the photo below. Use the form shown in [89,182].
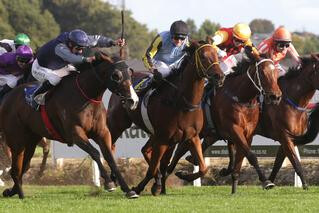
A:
[238,40]
[283,44]
[23,60]
[179,37]
[79,48]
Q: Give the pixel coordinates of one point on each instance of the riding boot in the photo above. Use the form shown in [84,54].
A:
[45,86]
[5,90]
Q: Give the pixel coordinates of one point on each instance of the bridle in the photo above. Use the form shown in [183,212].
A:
[202,71]
[258,85]
[102,83]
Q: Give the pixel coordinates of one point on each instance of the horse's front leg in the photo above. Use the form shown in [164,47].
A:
[289,150]
[280,157]
[157,154]
[196,150]
[105,142]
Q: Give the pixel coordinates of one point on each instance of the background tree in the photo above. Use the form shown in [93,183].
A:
[97,17]
[28,17]
[261,26]
[207,28]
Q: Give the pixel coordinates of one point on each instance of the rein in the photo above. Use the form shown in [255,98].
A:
[97,101]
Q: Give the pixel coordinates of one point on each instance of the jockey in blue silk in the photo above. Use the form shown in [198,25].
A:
[56,58]
[7,45]
[167,50]
[12,67]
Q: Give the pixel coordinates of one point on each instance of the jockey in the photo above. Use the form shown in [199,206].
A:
[7,45]
[277,46]
[232,41]
[12,67]
[167,50]
[56,58]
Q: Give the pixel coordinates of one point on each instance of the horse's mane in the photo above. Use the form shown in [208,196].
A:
[293,72]
[240,68]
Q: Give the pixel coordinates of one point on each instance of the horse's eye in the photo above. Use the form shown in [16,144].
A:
[117,76]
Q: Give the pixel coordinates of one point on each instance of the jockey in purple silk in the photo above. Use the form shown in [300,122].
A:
[56,58]
[12,67]
[8,45]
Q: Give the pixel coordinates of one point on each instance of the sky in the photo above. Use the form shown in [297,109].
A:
[296,15]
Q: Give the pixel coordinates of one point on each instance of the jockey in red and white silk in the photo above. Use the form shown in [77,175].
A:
[277,46]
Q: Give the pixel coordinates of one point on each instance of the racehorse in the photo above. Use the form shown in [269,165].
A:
[234,111]
[288,121]
[73,113]
[173,111]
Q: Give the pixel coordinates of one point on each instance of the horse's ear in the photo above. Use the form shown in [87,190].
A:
[103,56]
[315,56]
[131,71]
[209,39]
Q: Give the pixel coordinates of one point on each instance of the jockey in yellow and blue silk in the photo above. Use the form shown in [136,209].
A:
[167,50]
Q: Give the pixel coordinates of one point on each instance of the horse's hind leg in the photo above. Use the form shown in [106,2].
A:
[181,149]
[16,174]
[196,150]
[231,153]
[45,144]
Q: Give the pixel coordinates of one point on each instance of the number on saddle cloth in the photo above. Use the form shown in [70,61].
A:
[29,90]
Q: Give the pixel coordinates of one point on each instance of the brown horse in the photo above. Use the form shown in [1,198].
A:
[287,121]
[235,111]
[173,110]
[76,114]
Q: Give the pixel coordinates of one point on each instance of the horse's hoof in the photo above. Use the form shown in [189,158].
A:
[268,185]
[136,190]
[132,195]
[184,176]
[224,172]
[156,189]
[7,193]
[190,159]
[110,186]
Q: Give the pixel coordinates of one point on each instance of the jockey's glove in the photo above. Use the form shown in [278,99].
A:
[157,76]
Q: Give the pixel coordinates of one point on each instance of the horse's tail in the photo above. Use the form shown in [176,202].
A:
[312,129]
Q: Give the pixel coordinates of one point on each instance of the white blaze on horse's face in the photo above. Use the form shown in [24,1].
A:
[134,98]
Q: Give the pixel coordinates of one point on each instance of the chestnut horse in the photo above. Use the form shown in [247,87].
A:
[76,113]
[234,111]
[174,111]
[287,122]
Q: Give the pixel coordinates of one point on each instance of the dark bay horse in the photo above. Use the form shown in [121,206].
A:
[76,114]
[234,111]
[288,121]
[173,111]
